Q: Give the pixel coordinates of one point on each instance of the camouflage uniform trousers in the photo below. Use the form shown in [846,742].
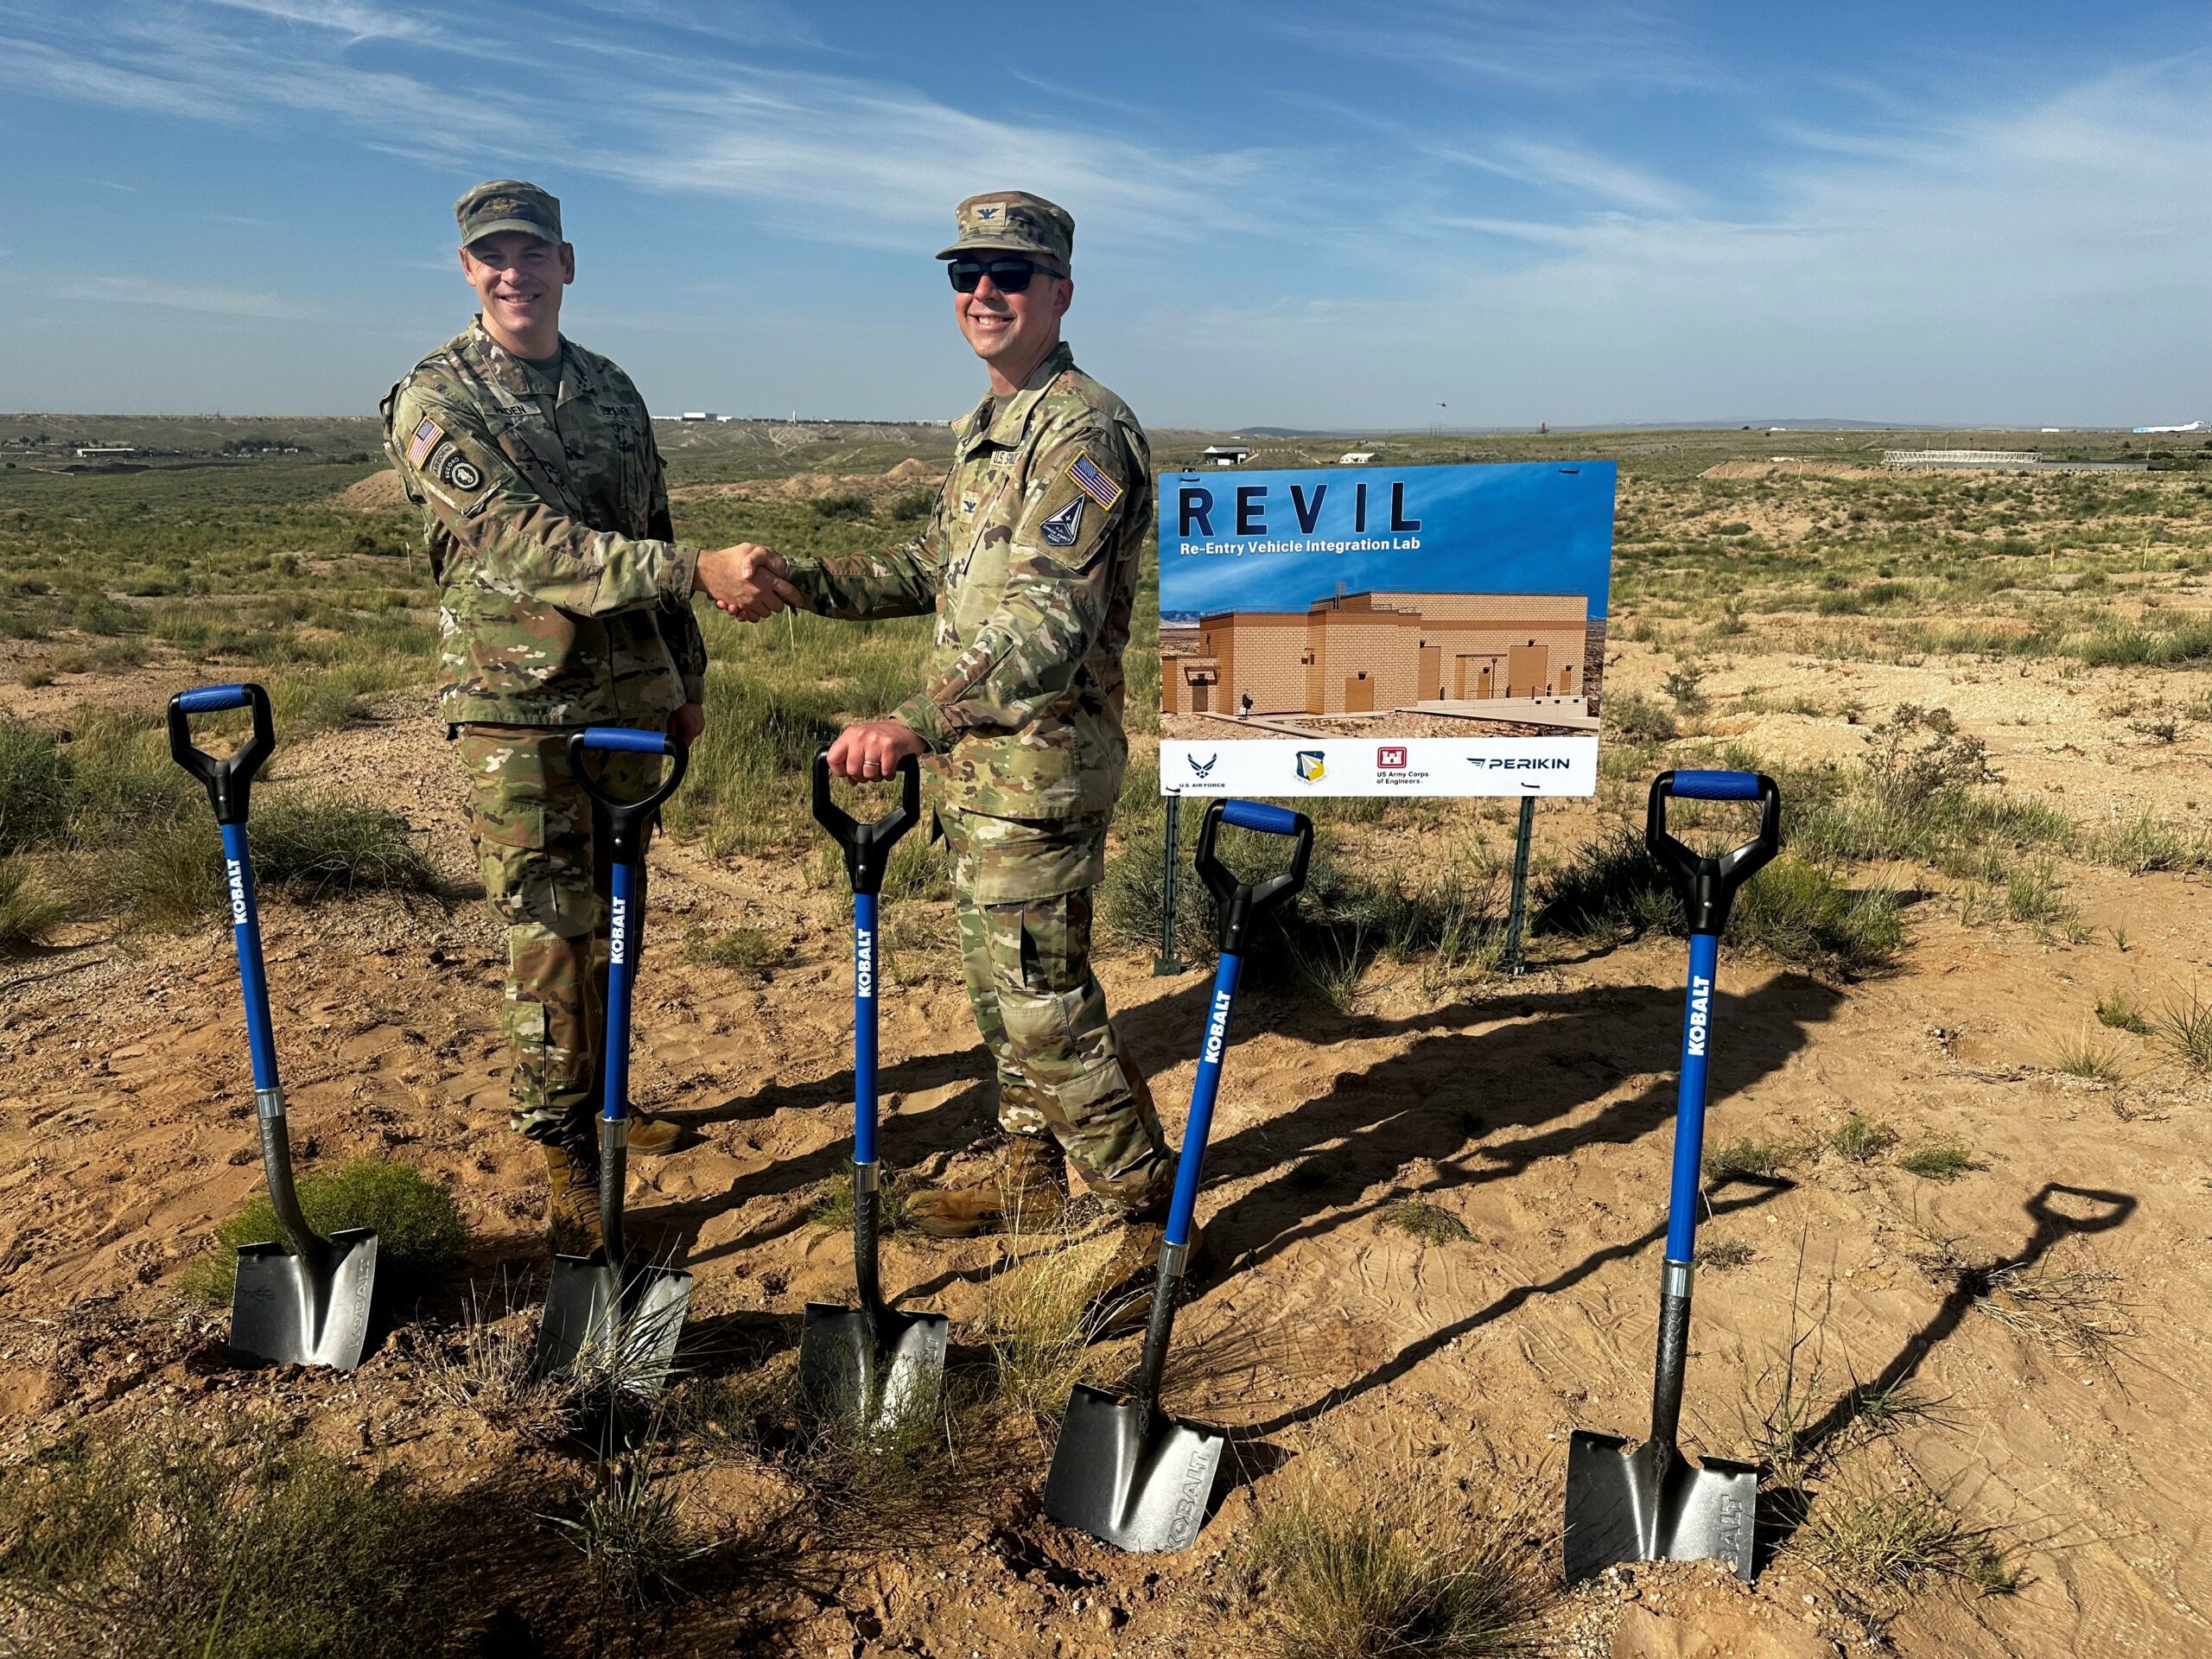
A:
[1022,894]
[547,875]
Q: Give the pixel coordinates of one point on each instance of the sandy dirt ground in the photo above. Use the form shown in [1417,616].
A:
[1537,1111]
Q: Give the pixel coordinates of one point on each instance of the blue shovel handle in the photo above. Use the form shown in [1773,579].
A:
[867,848]
[1241,903]
[1708,884]
[627,820]
[228,780]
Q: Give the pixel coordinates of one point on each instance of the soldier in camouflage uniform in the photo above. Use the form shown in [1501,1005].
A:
[1030,563]
[565,601]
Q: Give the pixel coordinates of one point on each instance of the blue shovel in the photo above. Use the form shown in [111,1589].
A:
[1124,1471]
[304,1301]
[603,1309]
[873,1362]
[1649,1503]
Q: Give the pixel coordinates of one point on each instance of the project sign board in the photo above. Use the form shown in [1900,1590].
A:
[1384,630]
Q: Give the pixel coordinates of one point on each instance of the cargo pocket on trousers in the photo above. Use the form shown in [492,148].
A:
[525,1025]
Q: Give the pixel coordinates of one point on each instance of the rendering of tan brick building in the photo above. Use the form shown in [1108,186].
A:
[1372,652]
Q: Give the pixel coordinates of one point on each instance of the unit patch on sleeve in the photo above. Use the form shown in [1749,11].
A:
[1093,483]
[1060,530]
[454,470]
[425,440]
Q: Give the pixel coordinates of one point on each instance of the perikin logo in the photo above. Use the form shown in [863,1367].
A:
[618,931]
[1701,1012]
[237,873]
[863,963]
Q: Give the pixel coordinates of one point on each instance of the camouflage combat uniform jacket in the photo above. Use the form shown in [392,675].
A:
[564,599]
[1030,561]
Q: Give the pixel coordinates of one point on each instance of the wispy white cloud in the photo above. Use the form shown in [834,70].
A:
[1558,49]
[1578,171]
[2046,261]
[178,297]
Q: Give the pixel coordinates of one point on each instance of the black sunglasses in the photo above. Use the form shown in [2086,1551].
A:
[1007,275]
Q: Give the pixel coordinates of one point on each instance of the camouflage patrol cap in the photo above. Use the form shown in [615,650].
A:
[1013,221]
[508,205]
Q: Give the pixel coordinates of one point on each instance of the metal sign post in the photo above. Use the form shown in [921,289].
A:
[1167,961]
[1518,911]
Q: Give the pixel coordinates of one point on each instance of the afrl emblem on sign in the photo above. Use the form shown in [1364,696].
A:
[1390,760]
[1311,766]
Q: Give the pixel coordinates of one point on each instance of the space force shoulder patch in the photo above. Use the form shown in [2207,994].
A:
[1063,527]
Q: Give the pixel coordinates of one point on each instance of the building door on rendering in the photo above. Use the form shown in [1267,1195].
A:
[1525,669]
[1566,681]
[1359,696]
[1432,673]
[1201,697]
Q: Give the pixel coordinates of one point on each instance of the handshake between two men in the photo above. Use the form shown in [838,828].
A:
[749,583]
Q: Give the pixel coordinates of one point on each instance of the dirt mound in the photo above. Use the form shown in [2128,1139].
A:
[378,493]
[876,488]
[1791,469]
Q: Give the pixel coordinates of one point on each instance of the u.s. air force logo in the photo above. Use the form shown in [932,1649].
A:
[1059,529]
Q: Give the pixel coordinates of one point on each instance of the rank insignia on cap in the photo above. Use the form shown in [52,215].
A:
[1093,483]
[425,440]
[986,212]
[1060,530]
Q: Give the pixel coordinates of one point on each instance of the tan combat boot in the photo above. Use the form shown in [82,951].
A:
[1027,1191]
[572,1196]
[650,1136]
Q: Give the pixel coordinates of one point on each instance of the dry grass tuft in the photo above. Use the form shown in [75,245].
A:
[1387,1569]
[1431,1223]
[2074,1310]
[1891,1532]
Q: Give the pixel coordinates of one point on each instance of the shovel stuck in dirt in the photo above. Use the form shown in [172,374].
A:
[872,1363]
[603,1311]
[304,1301]
[1649,1503]
[1124,1471]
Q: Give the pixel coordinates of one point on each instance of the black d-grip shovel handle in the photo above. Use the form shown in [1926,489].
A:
[627,819]
[231,779]
[1708,883]
[868,846]
[1242,903]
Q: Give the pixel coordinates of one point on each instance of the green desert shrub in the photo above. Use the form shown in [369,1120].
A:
[160,1544]
[420,1231]
[35,780]
[29,908]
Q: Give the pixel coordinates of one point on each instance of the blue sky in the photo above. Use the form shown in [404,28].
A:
[1491,212]
[1535,528]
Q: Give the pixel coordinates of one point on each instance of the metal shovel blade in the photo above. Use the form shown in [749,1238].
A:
[1130,1476]
[304,1310]
[1651,1503]
[873,1367]
[626,1325]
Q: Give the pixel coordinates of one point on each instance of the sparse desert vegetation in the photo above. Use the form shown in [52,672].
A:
[1433,1201]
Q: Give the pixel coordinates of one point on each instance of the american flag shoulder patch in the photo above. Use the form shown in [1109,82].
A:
[1093,483]
[425,440]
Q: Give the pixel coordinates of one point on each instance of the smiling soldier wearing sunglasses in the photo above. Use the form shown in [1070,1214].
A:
[1030,563]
